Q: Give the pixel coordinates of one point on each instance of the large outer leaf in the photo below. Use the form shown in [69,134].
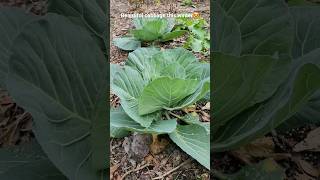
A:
[179,55]
[58,74]
[118,132]
[119,119]
[194,140]
[291,96]
[151,30]
[264,25]
[127,43]
[240,83]
[12,21]
[27,162]
[194,119]
[307,43]
[128,85]
[165,93]
[140,60]
[91,14]
[202,89]
[172,35]
[307,27]
[226,34]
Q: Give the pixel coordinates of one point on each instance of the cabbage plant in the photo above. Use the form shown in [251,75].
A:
[148,30]
[153,83]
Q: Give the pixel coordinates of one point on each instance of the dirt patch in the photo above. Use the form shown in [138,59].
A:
[121,26]
[155,166]
[282,148]
[15,123]
[38,7]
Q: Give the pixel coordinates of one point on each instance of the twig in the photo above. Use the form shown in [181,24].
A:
[172,170]
[133,170]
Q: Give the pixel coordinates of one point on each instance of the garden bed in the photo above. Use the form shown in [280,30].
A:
[172,162]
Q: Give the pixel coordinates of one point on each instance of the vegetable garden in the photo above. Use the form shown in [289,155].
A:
[160,89]
[264,122]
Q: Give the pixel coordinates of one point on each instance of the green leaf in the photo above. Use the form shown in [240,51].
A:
[89,14]
[265,170]
[226,35]
[196,45]
[300,3]
[202,89]
[179,55]
[27,162]
[174,70]
[114,68]
[260,119]
[128,85]
[306,49]
[151,29]
[198,71]
[127,43]
[165,93]
[307,23]
[172,35]
[265,25]
[151,63]
[140,60]
[239,81]
[145,35]
[191,119]
[12,21]
[141,23]
[57,72]
[145,66]
[194,140]
[118,132]
[119,119]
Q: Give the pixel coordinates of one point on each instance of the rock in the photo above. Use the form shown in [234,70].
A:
[137,147]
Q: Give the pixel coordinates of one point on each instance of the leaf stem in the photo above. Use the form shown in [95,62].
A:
[167,115]
[175,115]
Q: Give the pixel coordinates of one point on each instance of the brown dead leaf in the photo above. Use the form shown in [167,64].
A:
[262,147]
[310,143]
[306,167]
[149,159]
[206,107]
[113,169]
[189,109]
[205,116]
[302,176]
[158,145]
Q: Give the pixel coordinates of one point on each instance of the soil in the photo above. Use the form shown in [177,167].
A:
[301,165]
[37,7]
[15,123]
[120,26]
